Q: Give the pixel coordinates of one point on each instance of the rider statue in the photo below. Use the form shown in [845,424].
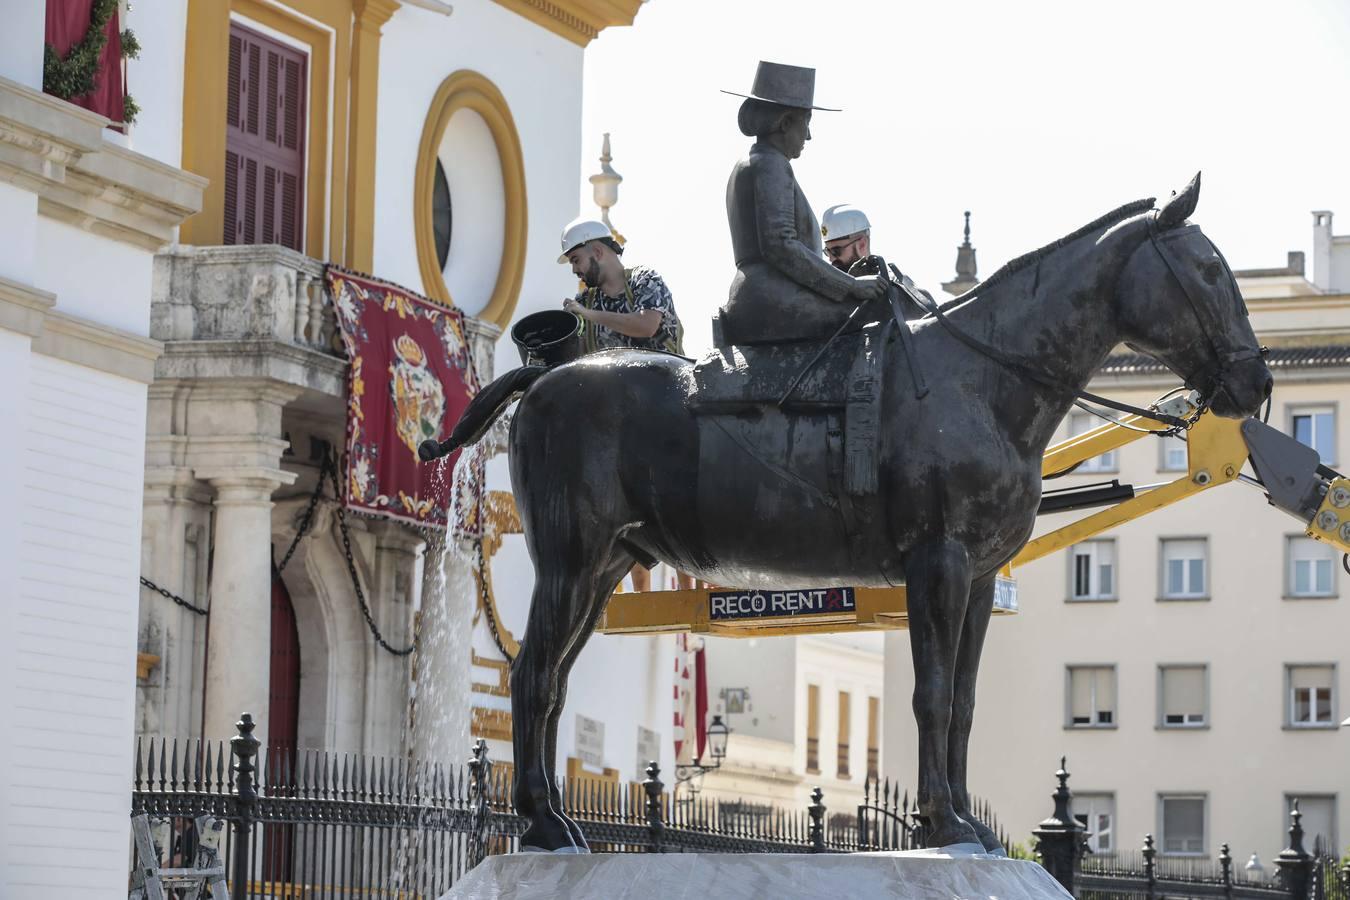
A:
[784,289]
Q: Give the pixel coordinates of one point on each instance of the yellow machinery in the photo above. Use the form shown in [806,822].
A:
[1288,472]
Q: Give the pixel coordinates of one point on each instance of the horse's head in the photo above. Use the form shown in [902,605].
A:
[1179,301]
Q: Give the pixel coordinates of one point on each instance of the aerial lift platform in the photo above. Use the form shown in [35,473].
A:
[1286,471]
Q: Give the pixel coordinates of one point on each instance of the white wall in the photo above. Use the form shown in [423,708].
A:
[155,78]
[94,278]
[69,680]
[540,75]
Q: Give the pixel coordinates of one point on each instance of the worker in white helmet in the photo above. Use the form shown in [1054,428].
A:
[847,234]
[848,238]
[622,307]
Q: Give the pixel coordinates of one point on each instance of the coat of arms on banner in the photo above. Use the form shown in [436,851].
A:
[410,378]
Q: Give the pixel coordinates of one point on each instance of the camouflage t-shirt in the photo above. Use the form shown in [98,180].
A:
[649,291]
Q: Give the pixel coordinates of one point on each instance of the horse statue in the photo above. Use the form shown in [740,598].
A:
[613,460]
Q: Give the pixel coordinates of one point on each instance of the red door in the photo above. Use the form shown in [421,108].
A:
[283,719]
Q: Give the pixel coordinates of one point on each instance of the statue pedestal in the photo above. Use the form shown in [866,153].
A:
[915,874]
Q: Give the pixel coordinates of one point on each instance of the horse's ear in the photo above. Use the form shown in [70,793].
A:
[1179,208]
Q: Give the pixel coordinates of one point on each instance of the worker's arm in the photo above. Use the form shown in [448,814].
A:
[642,324]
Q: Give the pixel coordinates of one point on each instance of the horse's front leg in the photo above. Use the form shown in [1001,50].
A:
[978,611]
[938,580]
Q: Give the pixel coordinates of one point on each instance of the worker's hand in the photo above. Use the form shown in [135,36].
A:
[868,287]
[572,306]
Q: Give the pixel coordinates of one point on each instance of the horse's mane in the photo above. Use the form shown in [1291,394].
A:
[1014,266]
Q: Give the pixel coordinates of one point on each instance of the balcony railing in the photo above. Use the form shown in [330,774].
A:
[254,292]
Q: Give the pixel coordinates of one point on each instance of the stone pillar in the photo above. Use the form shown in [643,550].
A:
[238,649]
[370,16]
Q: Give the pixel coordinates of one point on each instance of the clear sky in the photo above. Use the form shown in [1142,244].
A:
[1036,116]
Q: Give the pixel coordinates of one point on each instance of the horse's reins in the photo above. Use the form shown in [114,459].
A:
[1175,424]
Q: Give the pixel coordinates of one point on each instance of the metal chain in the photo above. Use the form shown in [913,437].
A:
[146,582]
[484,595]
[330,469]
[308,519]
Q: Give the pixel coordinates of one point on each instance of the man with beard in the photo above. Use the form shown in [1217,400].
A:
[848,238]
[621,307]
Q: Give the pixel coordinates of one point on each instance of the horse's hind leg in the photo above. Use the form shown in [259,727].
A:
[978,610]
[563,605]
[938,579]
[610,577]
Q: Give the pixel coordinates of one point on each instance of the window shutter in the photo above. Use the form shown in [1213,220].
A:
[1183,692]
[264,177]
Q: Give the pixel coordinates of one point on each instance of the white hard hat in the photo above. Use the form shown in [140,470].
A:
[579,231]
[841,221]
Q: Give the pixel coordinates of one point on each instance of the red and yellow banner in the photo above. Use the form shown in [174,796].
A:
[410,377]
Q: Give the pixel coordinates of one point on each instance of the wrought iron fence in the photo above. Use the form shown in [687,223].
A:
[1144,875]
[320,825]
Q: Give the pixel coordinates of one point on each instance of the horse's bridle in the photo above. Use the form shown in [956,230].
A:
[1208,380]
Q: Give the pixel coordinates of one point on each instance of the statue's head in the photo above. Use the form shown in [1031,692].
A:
[787,127]
[778,108]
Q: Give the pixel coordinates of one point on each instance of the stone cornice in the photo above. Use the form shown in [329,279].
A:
[22,308]
[57,151]
[40,136]
[97,346]
[580,21]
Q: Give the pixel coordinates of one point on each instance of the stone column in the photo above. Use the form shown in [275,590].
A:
[238,650]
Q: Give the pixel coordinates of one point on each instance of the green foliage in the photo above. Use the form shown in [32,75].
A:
[76,74]
[130,109]
[1022,851]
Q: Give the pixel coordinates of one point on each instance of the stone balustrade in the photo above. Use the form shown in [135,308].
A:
[258,292]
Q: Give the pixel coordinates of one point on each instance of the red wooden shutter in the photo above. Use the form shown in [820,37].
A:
[264,158]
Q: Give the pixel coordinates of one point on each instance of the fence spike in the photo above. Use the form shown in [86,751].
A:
[207,766]
[136,781]
[197,767]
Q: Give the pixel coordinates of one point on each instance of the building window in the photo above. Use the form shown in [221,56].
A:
[1172,455]
[1097,813]
[1319,821]
[264,141]
[873,737]
[1183,824]
[442,218]
[1183,569]
[1311,568]
[813,729]
[1080,423]
[1311,696]
[842,767]
[1316,427]
[1092,572]
[1092,696]
[1183,700]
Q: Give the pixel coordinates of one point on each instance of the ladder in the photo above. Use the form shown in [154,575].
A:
[148,880]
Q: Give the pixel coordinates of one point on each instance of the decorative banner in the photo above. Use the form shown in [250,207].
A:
[410,377]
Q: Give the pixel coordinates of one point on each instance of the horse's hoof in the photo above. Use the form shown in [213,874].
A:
[551,835]
[986,835]
[956,831]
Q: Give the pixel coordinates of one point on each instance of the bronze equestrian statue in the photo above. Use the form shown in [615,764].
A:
[631,455]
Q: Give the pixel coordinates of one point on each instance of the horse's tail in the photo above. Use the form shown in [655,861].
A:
[482,411]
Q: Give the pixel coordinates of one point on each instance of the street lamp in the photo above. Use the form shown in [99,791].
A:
[691,776]
[718,733]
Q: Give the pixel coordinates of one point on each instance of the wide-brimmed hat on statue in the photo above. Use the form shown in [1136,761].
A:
[784,85]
